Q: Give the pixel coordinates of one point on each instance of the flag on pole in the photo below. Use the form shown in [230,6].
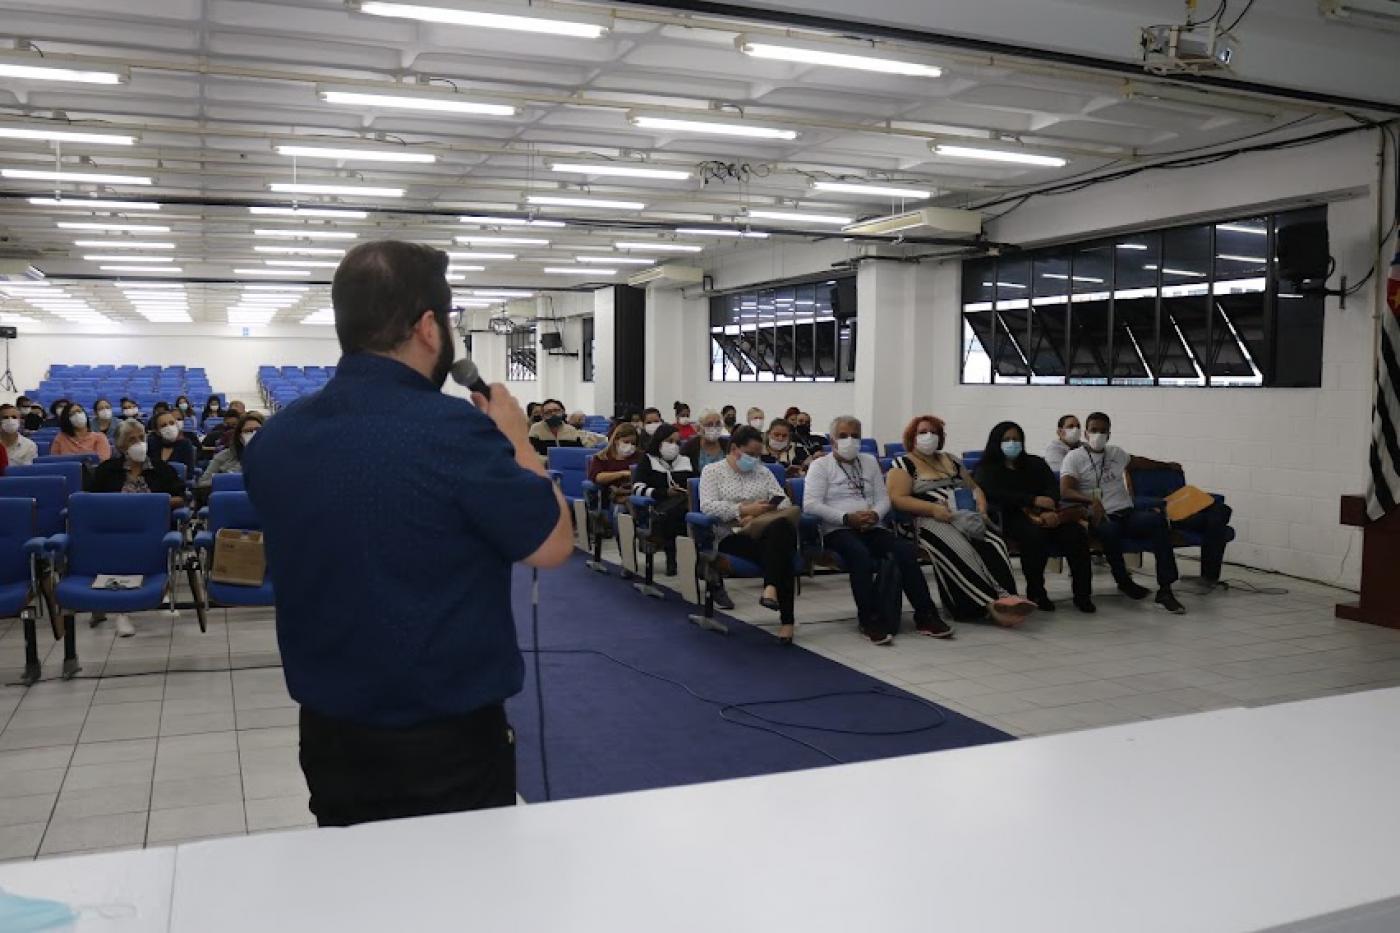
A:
[1384,489]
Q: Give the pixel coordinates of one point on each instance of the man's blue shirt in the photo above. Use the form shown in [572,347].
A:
[392,514]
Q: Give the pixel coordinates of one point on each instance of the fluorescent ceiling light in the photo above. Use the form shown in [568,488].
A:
[310,212]
[818,56]
[893,191]
[66,136]
[502,293]
[473,303]
[118,258]
[123,244]
[137,286]
[578,270]
[166,317]
[721,231]
[435,101]
[578,28]
[324,317]
[116,228]
[1170,271]
[510,222]
[601,204]
[271,271]
[276,288]
[34,68]
[1131,246]
[712,127]
[1256,260]
[95,204]
[503,240]
[620,170]
[301,250]
[307,233]
[660,247]
[482,257]
[250,317]
[96,178]
[146,270]
[998,155]
[617,260]
[302,263]
[368,191]
[800,218]
[363,155]
[1241,228]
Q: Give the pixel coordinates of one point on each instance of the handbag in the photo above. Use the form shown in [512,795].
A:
[1187,501]
[756,526]
[972,525]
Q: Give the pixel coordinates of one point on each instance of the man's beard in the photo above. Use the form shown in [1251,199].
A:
[446,354]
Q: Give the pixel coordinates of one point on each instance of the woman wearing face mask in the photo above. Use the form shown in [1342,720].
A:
[664,475]
[969,560]
[755,419]
[738,490]
[133,470]
[684,428]
[14,446]
[130,409]
[55,419]
[611,468]
[76,437]
[213,408]
[105,422]
[779,448]
[710,445]
[185,412]
[651,426]
[1022,489]
[169,444]
[1066,439]
[230,459]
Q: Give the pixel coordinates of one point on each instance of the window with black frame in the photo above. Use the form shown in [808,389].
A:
[1196,305]
[520,354]
[586,349]
[787,333]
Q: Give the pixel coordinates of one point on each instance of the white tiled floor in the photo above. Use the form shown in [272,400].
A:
[166,757]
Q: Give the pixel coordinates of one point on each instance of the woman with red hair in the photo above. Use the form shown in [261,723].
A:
[969,559]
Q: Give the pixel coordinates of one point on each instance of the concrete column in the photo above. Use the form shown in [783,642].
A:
[603,351]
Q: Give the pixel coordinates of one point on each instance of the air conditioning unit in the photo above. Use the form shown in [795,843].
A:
[929,221]
[667,276]
[1369,14]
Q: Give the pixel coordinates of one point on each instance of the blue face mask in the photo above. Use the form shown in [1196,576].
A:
[1011,449]
[747,463]
[31,913]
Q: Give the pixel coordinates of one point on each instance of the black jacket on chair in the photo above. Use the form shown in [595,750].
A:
[110,476]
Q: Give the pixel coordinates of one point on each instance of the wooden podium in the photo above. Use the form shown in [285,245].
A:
[1380,566]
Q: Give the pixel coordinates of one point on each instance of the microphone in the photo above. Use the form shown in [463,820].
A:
[465,373]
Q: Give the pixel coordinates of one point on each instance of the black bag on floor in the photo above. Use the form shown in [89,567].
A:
[889,594]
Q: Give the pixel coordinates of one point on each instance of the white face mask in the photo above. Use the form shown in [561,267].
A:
[778,445]
[248,437]
[1071,436]
[756,423]
[683,419]
[128,413]
[170,432]
[713,433]
[626,450]
[104,414]
[1097,442]
[847,447]
[183,406]
[927,443]
[652,428]
[670,450]
[10,425]
[78,419]
[136,453]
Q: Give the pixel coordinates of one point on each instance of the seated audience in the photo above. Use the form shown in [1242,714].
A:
[611,468]
[1024,496]
[664,475]
[756,420]
[158,409]
[55,419]
[846,491]
[710,445]
[588,438]
[970,561]
[803,437]
[185,412]
[169,444]
[31,414]
[238,407]
[552,430]
[75,437]
[729,416]
[684,428]
[651,425]
[131,470]
[779,448]
[130,409]
[213,407]
[1066,439]
[18,449]
[230,459]
[105,423]
[219,437]
[532,411]
[737,491]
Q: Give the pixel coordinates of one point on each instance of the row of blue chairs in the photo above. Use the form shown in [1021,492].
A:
[284,385]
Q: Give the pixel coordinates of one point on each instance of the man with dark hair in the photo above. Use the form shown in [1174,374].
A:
[1097,474]
[552,430]
[1066,439]
[393,563]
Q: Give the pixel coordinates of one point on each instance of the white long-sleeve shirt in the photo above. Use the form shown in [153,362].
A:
[835,488]
[723,489]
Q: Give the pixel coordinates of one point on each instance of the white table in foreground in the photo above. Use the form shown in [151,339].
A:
[114,892]
[1228,821]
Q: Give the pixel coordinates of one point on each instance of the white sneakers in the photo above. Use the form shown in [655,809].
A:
[124,627]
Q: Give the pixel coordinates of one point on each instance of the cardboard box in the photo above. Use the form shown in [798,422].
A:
[239,557]
[1187,501]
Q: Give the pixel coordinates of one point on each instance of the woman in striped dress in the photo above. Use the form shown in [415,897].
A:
[973,572]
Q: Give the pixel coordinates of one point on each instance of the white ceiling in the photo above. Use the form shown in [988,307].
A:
[215,84]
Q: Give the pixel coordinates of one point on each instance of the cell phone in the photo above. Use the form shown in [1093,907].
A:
[776,501]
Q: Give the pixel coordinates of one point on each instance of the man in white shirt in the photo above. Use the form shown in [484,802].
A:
[1066,439]
[1096,474]
[20,449]
[846,492]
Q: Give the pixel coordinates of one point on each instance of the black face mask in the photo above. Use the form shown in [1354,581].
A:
[446,354]
[802,429]
[730,421]
[554,421]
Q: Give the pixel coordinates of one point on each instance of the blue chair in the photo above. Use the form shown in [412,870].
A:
[231,510]
[868,445]
[894,449]
[89,459]
[50,495]
[970,459]
[23,575]
[570,467]
[114,534]
[227,482]
[1150,491]
[71,472]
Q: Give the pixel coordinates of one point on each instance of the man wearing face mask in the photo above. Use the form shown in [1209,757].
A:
[803,437]
[18,449]
[664,476]
[1096,474]
[1066,439]
[393,572]
[553,430]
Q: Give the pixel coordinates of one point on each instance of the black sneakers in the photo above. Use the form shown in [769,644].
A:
[721,598]
[1085,604]
[1167,601]
[1132,590]
[933,628]
[1043,602]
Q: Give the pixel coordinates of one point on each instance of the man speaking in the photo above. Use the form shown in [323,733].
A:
[392,515]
